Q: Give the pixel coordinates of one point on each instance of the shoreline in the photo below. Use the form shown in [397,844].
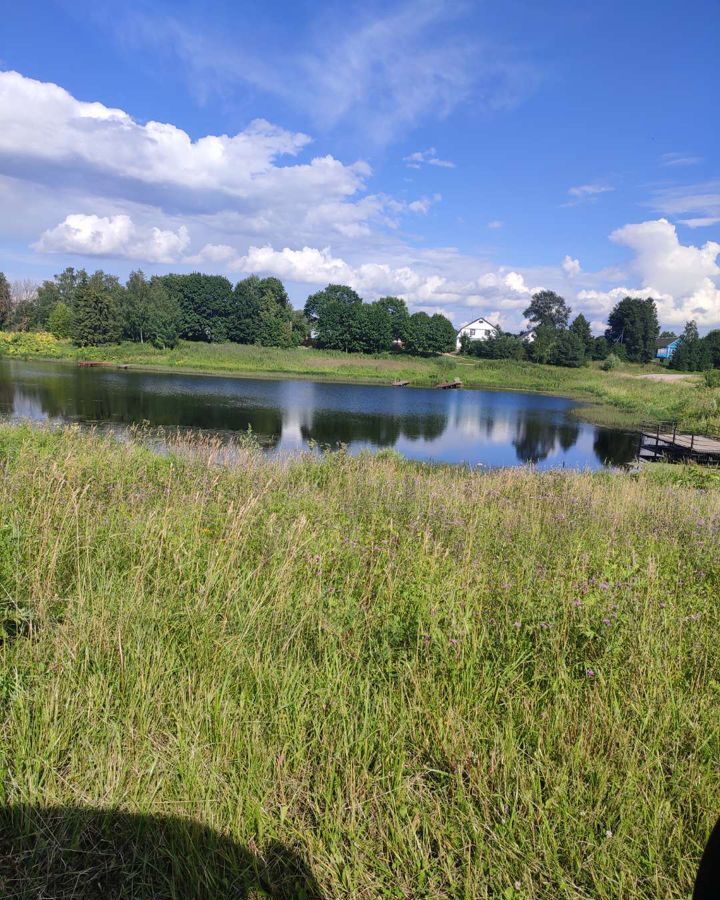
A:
[624,398]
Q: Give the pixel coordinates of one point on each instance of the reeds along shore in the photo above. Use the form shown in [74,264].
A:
[422,681]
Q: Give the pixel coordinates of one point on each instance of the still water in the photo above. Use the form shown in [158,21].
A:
[490,428]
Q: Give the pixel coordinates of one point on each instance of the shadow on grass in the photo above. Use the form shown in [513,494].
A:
[71,852]
[707,884]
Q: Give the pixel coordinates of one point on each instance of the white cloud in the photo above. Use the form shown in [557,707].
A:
[571,266]
[681,278]
[378,70]
[107,236]
[702,199]
[589,190]
[50,137]
[679,159]
[427,157]
[701,222]
[423,204]
[495,223]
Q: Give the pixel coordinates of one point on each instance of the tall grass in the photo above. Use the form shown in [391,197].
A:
[432,683]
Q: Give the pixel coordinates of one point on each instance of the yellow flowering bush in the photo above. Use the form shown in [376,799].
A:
[32,343]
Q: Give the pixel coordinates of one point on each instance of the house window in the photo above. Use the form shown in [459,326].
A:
[471,332]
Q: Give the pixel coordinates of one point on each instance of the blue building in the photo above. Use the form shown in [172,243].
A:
[666,348]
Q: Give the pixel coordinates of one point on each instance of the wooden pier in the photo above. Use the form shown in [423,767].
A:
[400,383]
[93,363]
[664,442]
[447,385]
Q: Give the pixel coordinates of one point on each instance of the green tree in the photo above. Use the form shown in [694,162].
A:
[600,348]
[205,303]
[549,309]
[542,348]
[60,289]
[428,335]
[580,327]
[712,342]
[377,330]
[261,314]
[5,302]
[60,322]
[399,316]
[300,327]
[569,350]
[243,324]
[442,334]
[633,324]
[336,318]
[97,310]
[692,353]
[150,313]
[497,346]
[334,293]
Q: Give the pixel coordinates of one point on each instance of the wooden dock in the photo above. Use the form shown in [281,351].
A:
[93,363]
[665,442]
[447,385]
[400,383]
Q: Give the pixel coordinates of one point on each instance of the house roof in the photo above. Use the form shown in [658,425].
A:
[665,342]
[479,319]
[527,332]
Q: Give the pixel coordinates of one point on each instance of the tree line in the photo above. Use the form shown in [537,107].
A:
[94,309]
[631,335]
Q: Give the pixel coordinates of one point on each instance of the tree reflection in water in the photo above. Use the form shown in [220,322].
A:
[477,427]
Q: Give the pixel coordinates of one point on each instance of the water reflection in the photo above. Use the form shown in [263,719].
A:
[489,428]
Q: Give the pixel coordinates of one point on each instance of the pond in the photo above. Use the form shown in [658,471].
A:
[488,428]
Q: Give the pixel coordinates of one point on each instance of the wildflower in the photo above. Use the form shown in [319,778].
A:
[606,621]
[590,672]
[518,624]
[577,603]
[608,834]
[517,885]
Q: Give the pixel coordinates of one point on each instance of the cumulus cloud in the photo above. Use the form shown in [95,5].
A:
[107,236]
[571,266]
[506,291]
[427,157]
[48,136]
[679,277]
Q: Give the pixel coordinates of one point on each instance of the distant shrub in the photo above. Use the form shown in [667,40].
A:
[497,346]
[611,361]
[712,378]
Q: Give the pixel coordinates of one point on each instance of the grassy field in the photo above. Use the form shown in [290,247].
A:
[620,397]
[371,678]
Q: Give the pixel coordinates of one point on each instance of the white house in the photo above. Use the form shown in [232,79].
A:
[529,335]
[477,330]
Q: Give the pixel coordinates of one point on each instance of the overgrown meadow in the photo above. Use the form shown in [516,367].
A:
[425,682]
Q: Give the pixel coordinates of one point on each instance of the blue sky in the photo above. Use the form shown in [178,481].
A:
[458,154]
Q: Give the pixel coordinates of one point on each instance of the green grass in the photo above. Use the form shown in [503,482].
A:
[426,682]
[618,398]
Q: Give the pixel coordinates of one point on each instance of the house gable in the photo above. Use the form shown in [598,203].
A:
[477,330]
